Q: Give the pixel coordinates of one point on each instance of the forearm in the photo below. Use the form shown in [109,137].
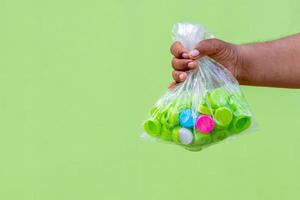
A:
[275,63]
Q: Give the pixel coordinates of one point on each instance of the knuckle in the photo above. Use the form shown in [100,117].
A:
[177,52]
[174,48]
[174,75]
[217,45]
[212,46]
[173,62]
[186,62]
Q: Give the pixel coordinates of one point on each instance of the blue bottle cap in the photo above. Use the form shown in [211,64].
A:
[187,118]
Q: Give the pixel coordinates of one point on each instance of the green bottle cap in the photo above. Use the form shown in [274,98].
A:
[164,118]
[152,127]
[166,134]
[155,113]
[240,123]
[203,109]
[169,117]
[237,101]
[218,97]
[183,106]
[175,135]
[219,135]
[201,139]
[173,115]
[223,116]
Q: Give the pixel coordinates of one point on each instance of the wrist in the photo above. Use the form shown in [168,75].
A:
[246,54]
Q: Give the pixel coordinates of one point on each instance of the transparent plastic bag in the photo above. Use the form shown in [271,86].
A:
[206,108]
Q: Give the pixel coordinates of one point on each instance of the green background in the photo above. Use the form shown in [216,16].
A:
[77,79]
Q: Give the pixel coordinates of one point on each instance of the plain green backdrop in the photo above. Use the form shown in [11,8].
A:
[77,79]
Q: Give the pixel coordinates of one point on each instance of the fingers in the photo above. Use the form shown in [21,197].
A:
[183,64]
[208,47]
[172,85]
[184,60]
[178,50]
[179,76]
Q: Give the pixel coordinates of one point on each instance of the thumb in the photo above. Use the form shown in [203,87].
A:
[224,53]
[211,47]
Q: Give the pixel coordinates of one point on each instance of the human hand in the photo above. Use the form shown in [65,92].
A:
[224,53]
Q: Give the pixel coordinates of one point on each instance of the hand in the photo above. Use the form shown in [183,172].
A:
[224,53]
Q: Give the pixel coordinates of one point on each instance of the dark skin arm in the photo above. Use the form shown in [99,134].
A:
[272,64]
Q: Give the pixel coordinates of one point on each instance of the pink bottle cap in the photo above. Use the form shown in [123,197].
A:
[205,124]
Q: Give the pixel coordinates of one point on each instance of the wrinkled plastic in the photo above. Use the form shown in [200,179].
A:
[207,108]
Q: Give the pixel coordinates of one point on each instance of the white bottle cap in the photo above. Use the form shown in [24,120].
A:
[185,136]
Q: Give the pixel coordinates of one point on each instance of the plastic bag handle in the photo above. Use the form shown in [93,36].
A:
[190,34]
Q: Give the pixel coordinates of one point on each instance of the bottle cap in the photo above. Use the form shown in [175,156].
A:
[236,101]
[203,109]
[152,127]
[173,115]
[201,139]
[187,118]
[223,116]
[166,134]
[185,136]
[219,135]
[169,117]
[240,123]
[183,106]
[164,118]
[175,135]
[205,124]
[218,97]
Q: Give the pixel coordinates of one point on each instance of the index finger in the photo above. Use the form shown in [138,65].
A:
[178,50]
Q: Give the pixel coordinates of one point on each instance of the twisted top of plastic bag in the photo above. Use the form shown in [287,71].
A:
[190,34]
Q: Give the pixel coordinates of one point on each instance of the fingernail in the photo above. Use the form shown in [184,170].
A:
[194,53]
[181,77]
[192,65]
[185,55]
